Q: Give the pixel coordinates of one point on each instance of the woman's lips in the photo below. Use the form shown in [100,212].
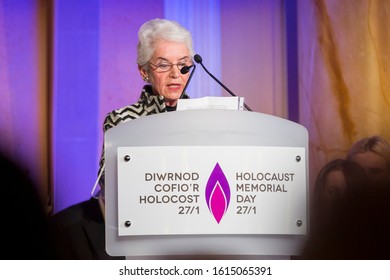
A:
[174,86]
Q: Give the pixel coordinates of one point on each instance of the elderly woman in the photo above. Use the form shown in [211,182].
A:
[164,48]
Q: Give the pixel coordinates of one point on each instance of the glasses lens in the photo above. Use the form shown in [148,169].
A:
[181,65]
[163,67]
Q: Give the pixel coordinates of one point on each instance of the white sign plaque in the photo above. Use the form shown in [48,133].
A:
[180,190]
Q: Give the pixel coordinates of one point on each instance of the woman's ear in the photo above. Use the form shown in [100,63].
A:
[144,74]
[142,71]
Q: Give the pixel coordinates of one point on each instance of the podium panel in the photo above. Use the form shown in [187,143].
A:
[206,183]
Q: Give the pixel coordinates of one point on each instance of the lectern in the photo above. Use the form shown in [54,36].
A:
[206,183]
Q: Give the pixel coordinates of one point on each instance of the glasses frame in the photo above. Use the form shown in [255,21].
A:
[156,66]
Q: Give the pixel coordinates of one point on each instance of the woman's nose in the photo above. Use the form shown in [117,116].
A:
[175,71]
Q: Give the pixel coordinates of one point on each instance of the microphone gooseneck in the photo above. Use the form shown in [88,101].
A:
[183,71]
[198,59]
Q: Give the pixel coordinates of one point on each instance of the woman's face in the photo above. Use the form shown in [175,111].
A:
[171,83]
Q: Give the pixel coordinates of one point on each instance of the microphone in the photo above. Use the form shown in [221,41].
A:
[198,59]
[183,71]
[186,69]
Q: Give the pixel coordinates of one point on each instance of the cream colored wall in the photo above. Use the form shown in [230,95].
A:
[253,54]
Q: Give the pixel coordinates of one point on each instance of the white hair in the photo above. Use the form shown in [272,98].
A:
[157,29]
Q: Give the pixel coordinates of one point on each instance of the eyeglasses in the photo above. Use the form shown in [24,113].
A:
[165,66]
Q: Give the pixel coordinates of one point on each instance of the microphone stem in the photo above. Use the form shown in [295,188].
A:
[247,107]
[212,76]
[188,82]
[222,85]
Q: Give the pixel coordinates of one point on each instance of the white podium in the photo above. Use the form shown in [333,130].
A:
[211,183]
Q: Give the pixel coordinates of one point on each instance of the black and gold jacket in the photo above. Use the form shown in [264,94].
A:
[147,104]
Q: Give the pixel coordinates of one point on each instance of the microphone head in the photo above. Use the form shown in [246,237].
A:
[185,69]
[198,58]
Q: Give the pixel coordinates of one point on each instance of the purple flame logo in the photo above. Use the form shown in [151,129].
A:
[217,193]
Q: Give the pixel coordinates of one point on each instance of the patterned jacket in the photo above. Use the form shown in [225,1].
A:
[147,104]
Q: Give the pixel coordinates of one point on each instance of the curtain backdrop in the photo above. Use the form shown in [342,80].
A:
[344,65]
[24,89]
[66,63]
